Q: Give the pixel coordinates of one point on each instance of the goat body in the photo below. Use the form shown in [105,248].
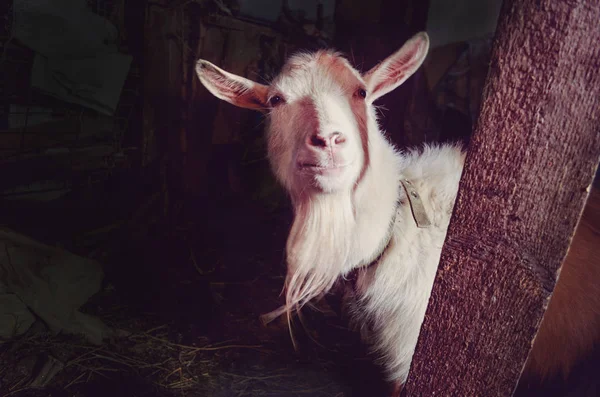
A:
[344,180]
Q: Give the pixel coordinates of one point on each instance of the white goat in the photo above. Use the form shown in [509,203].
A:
[357,200]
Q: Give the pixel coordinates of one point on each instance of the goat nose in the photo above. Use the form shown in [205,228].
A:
[333,139]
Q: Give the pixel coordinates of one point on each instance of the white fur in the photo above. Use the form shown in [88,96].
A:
[393,296]
[343,218]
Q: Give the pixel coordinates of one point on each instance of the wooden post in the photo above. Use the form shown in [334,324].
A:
[530,167]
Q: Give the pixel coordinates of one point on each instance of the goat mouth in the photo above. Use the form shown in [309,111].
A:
[315,168]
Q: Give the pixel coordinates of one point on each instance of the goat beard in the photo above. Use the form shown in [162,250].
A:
[319,247]
[319,250]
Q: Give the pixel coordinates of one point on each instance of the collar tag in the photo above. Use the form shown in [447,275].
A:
[416,204]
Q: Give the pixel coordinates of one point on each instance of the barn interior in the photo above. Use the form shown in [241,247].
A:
[148,238]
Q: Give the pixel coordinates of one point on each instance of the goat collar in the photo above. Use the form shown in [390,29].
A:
[416,204]
[418,212]
[419,215]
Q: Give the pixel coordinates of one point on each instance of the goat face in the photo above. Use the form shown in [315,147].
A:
[317,124]
[320,113]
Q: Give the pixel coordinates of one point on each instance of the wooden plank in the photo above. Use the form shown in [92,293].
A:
[528,173]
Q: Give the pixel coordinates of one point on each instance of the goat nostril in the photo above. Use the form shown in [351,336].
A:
[316,140]
[337,138]
[332,139]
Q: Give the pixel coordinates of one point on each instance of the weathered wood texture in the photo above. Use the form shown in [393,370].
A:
[531,162]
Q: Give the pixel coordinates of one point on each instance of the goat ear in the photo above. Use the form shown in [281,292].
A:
[236,90]
[398,67]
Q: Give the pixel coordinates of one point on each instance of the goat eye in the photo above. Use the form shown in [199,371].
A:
[362,93]
[275,100]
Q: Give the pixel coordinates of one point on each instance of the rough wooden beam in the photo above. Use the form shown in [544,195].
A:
[528,173]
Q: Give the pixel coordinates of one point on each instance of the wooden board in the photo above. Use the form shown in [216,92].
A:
[530,167]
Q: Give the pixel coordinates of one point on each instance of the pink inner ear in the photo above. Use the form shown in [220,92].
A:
[398,67]
[227,87]
[238,93]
